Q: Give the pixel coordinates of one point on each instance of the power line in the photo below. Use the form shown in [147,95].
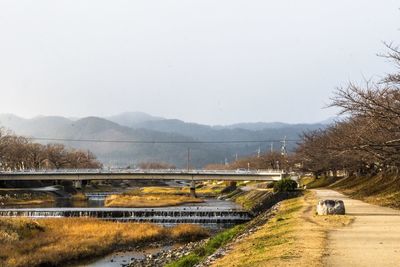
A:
[157,141]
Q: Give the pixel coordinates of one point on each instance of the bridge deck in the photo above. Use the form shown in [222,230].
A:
[142,175]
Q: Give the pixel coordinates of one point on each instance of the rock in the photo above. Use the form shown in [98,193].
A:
[330,207]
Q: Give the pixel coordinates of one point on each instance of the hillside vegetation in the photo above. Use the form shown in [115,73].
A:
[142,127]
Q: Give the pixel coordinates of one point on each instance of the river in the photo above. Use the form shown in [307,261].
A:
[213,213]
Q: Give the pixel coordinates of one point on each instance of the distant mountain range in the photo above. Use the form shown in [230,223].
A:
[138,126]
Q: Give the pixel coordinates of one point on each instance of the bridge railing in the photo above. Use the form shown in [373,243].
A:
[140,171]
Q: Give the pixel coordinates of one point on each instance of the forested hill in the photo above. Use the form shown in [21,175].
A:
[144,127]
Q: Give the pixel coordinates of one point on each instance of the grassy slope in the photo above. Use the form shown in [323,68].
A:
[383,190]
[249,200]
[209,248]
[26,242]
[323,181]
[294,237]
[380,190]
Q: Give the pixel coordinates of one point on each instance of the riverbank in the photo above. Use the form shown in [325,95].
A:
[13,197]
[381,189]
[162,196]
[261,203]
[291,236]
[148,201]
[27,242]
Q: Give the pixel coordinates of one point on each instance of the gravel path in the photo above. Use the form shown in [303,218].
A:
[373,239]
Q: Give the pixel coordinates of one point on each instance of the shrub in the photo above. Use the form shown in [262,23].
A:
[285,185]
[271,185]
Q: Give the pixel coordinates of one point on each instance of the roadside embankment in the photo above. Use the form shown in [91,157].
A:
[262,203]
[258,201]
[381,189]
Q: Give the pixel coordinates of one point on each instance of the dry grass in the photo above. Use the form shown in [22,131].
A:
[306,180]
[383,190]
[26,242]
[187,232]
[148,200]
[250,199]
[160,196]
[206,190]
[294,237]
[13,198]
[79,197]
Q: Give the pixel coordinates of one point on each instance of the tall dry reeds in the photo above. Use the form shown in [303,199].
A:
[27,242]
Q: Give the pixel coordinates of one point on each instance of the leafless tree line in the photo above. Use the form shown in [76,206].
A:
[367,141]
[269,160]
[17,152]
[155,165]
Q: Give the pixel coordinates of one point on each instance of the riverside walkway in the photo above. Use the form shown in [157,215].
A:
[373,239]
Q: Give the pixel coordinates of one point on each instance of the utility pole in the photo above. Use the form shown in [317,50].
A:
[283,147]
[193,182]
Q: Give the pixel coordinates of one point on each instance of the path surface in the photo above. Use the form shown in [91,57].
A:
[373,239]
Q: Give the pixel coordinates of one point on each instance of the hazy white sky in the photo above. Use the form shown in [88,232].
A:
[207,61]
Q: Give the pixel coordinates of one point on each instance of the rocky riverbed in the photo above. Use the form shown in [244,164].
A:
[164,257]
[252,227]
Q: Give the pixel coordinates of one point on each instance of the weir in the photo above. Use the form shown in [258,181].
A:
[157,215]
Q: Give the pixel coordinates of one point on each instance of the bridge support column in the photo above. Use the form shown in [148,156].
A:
[233,184]
[85,183]
[77,184]
[193,188]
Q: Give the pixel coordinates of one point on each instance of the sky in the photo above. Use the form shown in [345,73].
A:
[205,61]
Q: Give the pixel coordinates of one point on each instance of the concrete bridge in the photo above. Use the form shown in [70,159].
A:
[80,177]
[100,174]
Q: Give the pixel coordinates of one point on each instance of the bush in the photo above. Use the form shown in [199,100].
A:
[285,185]
[271,185]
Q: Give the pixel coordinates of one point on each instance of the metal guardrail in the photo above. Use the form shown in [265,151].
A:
[129,174]
[137,171]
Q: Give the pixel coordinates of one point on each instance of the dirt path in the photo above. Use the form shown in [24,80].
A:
[373,239]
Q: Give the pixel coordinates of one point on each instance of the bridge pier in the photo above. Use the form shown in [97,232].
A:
[77,184]
[233,185]
[193,188]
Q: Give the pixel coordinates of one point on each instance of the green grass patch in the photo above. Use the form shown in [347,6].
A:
[249,200]
[209,248]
